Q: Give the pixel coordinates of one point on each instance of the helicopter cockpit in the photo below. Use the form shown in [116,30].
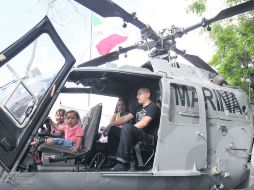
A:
[110,82]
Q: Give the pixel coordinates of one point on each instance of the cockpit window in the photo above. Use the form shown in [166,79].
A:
[20,103]
[26,78]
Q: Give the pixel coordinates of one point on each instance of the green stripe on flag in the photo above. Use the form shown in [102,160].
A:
[96,21]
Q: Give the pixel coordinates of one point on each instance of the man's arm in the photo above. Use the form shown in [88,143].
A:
[121,120]
[143,122]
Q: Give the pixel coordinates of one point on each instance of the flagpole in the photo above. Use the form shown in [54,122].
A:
[91,35]
[90,53]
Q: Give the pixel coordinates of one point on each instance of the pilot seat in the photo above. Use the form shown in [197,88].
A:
[144,152]
[56,157]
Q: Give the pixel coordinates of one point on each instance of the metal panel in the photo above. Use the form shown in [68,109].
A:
[182,142]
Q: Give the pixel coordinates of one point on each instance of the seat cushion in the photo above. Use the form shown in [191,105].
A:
[54,148]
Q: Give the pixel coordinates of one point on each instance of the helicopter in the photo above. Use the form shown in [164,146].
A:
[204,137]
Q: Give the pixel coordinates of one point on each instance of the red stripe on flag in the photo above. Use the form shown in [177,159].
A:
[105,45]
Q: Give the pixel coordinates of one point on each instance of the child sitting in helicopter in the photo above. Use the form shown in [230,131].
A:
[73,133]
[46,130]
[59,117]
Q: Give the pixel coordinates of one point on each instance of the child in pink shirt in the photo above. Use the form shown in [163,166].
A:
[73,134]
[59,117]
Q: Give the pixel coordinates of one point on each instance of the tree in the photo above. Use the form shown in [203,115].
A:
[234,39]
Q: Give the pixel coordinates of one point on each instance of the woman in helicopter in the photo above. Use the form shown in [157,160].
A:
[115,131]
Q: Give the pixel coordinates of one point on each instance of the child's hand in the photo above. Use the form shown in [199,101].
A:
[34,142]
[74,149]
[49,119]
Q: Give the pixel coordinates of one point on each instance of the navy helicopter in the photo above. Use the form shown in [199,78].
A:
[204,137]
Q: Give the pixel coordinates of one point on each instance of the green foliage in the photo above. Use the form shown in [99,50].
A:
[234,57]
[233,2]
[235,51]
[197,7]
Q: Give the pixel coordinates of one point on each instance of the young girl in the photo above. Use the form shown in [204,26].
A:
[73,133]
[59,117]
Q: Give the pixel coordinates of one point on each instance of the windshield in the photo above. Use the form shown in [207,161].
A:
[26,78]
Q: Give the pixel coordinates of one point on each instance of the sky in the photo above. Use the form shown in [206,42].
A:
[73,23]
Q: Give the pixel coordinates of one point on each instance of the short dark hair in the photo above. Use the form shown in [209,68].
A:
[146,89]
[75,113]
[60,111]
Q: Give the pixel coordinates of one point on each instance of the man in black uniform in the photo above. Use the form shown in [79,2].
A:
[146,116]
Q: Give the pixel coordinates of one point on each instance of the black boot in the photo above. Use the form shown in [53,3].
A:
[109,163]
[120,167]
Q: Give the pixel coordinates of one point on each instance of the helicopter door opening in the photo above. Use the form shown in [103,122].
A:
[182,143]
[25,86]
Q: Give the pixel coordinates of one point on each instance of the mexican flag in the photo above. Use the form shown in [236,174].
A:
[104,37]
[108,43]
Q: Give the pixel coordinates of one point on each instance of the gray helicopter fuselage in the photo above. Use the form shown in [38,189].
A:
[204,138]
[210,123]
[101,180]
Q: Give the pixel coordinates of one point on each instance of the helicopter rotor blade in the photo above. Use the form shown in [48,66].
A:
[235,10]
[195,60]
[101,60]
[110,56]
[226,13]
[107,8]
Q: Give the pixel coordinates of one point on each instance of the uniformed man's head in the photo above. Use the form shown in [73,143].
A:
[144,95]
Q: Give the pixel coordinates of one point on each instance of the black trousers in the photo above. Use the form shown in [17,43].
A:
[130,135]
[113,141]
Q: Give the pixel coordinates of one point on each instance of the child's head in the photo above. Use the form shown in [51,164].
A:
[59,116]
[72,118]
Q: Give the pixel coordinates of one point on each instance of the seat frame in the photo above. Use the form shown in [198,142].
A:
[90,126]
[147,145]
